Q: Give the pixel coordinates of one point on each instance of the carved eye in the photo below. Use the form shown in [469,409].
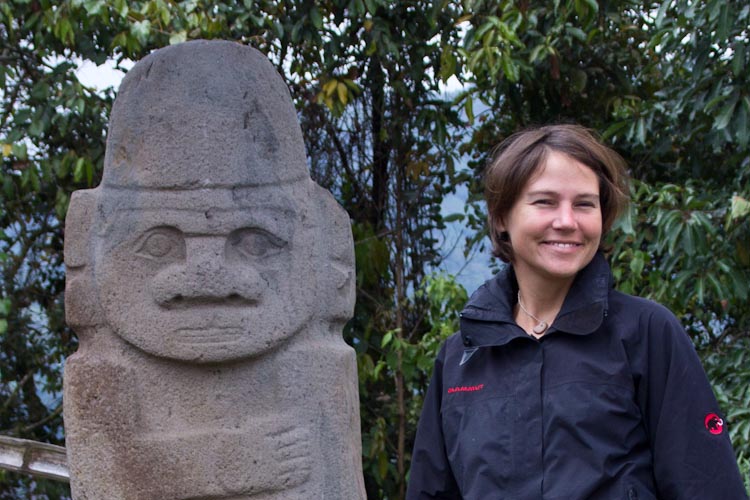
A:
[162,243]
[255,243]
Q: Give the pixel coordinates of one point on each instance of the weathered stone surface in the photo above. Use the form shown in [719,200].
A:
[208,281]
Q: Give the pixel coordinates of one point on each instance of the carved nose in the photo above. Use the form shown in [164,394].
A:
[206,278]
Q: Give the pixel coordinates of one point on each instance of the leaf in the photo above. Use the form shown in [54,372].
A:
[722,120]
[7,150]
[740,207]
[714,101]
[510,68]
[688,242]
[37,127]
[469,109]
[447,64]
[718,289]
[34,179]
[536,52]
[455,217]
[741,129]
[593,5]
[383,465]
[662,13]
[316,18]
[79,170]
[89,173]
[738,58]
[330,87]
[625,222]
[165,16]
[120,40]
[722,31]
[94,7]
[121,7]
[614,129]
[637,264]
[387,338]
[141,30]
[178,37]
[641,131]
[372,6]
[64,31]
[576,33]
[700,290]
[342,92]
[579,80]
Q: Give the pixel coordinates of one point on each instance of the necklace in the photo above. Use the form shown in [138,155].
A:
[541,326]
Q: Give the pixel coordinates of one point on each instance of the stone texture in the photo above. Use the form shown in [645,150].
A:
[208,280]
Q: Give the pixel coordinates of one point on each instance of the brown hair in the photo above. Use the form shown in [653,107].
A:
[519,158]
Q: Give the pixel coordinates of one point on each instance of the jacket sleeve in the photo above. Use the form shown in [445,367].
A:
[692,452]
[430,476]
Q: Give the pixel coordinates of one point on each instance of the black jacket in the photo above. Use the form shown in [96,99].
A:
[611,403]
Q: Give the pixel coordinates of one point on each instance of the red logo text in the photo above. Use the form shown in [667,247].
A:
[465,388]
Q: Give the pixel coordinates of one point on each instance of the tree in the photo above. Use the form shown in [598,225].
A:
[51,134]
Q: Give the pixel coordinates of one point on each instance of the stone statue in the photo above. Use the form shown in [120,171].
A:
[208,280]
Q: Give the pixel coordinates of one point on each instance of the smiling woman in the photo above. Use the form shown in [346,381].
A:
[558,386]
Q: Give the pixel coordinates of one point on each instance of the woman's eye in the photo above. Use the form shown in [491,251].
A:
[162,243]
[543,202]
[253,243]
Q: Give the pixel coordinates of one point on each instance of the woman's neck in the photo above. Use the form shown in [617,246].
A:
[541,301]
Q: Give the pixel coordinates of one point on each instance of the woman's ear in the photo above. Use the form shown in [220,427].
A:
[500,226]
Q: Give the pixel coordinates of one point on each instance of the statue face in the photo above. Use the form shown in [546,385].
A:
[197,276]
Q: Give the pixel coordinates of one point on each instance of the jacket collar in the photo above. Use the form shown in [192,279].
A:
[582,312]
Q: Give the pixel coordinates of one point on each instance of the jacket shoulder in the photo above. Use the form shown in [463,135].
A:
[629,309]
[648,327]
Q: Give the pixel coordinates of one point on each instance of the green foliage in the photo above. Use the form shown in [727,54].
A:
[413,357]
[744,464]
[679,246]
[698,117]
[51,136]
[729,369]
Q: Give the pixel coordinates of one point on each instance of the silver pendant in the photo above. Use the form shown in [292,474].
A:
[540,328]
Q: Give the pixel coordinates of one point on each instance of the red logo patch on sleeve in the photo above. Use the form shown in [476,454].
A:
[714,423]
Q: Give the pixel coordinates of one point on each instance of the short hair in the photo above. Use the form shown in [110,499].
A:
[517,159]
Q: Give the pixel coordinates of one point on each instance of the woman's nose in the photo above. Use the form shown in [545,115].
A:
[565,217]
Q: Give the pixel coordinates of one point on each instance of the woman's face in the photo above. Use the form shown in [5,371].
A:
[555,225]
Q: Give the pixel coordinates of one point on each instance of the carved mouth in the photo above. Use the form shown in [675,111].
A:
[180,302]
[209,335]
